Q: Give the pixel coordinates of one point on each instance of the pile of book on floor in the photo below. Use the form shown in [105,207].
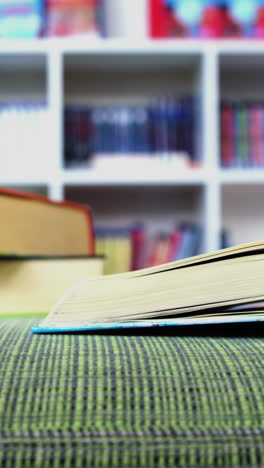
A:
[45,248]
[160,130]
[135,248]
[242,134]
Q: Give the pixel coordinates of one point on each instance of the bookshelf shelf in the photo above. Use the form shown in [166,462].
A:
[96,70]
[150,178]
[144,46]
[242,176]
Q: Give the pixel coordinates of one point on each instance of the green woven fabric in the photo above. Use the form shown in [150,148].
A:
[129,401]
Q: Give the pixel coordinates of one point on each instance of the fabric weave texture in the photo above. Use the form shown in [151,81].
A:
[129,400]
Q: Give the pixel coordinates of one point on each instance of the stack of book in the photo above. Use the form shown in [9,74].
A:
[135,248]
[45,247]
[242,134]
[164,128]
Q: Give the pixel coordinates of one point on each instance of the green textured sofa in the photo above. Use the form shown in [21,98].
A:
[130,400]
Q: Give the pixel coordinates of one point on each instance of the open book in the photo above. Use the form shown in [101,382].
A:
[224,286]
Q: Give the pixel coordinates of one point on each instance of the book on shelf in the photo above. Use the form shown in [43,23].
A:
[242,134]
[115,245]
[133,248]
[34,284]
[164,130]
[36,225]
[26,19]
[73,18]
[211,19]
[21,19]
[220,287]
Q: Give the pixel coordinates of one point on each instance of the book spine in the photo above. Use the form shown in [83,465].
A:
[157,18]
[228,134]
[164,128]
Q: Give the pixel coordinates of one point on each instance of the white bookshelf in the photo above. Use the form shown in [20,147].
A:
[63,71]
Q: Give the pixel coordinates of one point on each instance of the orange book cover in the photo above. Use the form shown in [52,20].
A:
[86,211]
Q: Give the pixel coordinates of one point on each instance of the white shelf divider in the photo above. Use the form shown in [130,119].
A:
[210,138]
[55,104]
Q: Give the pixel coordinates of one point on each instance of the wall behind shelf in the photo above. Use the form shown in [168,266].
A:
[162,208]
[23,77]
[243,212]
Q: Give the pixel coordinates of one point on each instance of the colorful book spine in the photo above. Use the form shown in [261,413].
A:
[242,135]
[227,135]
[22,19]
[163,129]
[135,248]
[72,17]
[212,19]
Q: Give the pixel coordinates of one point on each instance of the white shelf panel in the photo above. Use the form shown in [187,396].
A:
[13,46]
[23,181]
[144,46]
[239,46]
[242,176]
[159,178]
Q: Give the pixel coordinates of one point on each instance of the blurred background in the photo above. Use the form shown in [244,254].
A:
[149,111]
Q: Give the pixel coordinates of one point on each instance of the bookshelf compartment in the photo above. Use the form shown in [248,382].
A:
[241,75]
[24,116]
[127,94]
[123,206]
[158,213]
[243,212]
[23,77]
[128,77]
[242,111]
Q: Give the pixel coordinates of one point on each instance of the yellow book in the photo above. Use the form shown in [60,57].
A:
[118,252]
[201,289]
[35,284]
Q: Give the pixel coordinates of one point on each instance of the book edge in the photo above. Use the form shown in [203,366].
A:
[18,258]
[217,320]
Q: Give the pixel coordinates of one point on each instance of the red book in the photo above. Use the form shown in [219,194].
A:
[259,24]
[227,135]
[160,251]
[138,239]
[68,17]
[174,244]
[163,21]
[213,23]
